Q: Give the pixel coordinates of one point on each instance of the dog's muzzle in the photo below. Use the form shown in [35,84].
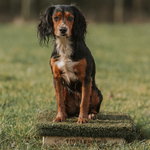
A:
[63,31]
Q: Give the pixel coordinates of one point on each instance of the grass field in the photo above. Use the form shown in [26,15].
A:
[122,56]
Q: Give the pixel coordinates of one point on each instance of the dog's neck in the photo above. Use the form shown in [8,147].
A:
[63,46]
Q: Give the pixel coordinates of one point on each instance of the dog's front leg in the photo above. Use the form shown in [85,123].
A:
[85,89]
[59,91]
[84,106]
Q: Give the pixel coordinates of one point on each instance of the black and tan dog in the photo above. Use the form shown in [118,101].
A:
[72,64]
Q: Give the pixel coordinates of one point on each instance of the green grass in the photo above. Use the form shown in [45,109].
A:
[121,54]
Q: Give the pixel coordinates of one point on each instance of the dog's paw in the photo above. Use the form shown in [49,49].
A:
[82,120]
[60,118]
[93,116]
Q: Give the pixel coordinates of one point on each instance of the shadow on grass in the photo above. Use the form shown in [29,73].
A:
[5,77]
[143,131]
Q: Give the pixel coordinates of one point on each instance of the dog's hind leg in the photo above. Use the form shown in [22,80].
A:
[95,103]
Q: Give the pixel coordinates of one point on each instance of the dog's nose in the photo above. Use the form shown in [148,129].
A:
[63,30]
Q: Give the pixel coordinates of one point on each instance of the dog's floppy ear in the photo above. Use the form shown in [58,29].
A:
[79,26]
[45,26]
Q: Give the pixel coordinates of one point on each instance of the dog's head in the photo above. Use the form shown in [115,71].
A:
[62,20]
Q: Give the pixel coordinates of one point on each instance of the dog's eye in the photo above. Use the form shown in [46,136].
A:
[56,18]
[70,19]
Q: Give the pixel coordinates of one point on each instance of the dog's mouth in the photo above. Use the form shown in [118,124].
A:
[63,34]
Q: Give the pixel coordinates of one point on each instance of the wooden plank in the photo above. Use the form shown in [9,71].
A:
[84,140]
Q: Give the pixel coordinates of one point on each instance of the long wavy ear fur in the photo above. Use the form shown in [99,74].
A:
[45,26]
[79,26]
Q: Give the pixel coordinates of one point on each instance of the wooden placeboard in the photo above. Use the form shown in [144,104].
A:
[84,140]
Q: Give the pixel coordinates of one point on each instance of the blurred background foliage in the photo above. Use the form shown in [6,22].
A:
[108,11]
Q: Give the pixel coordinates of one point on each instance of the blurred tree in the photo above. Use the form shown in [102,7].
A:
[14,5]
[118,11]
[137,6]
[25,9]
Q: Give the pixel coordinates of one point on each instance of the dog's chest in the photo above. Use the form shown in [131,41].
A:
[64,62]
[66,67]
